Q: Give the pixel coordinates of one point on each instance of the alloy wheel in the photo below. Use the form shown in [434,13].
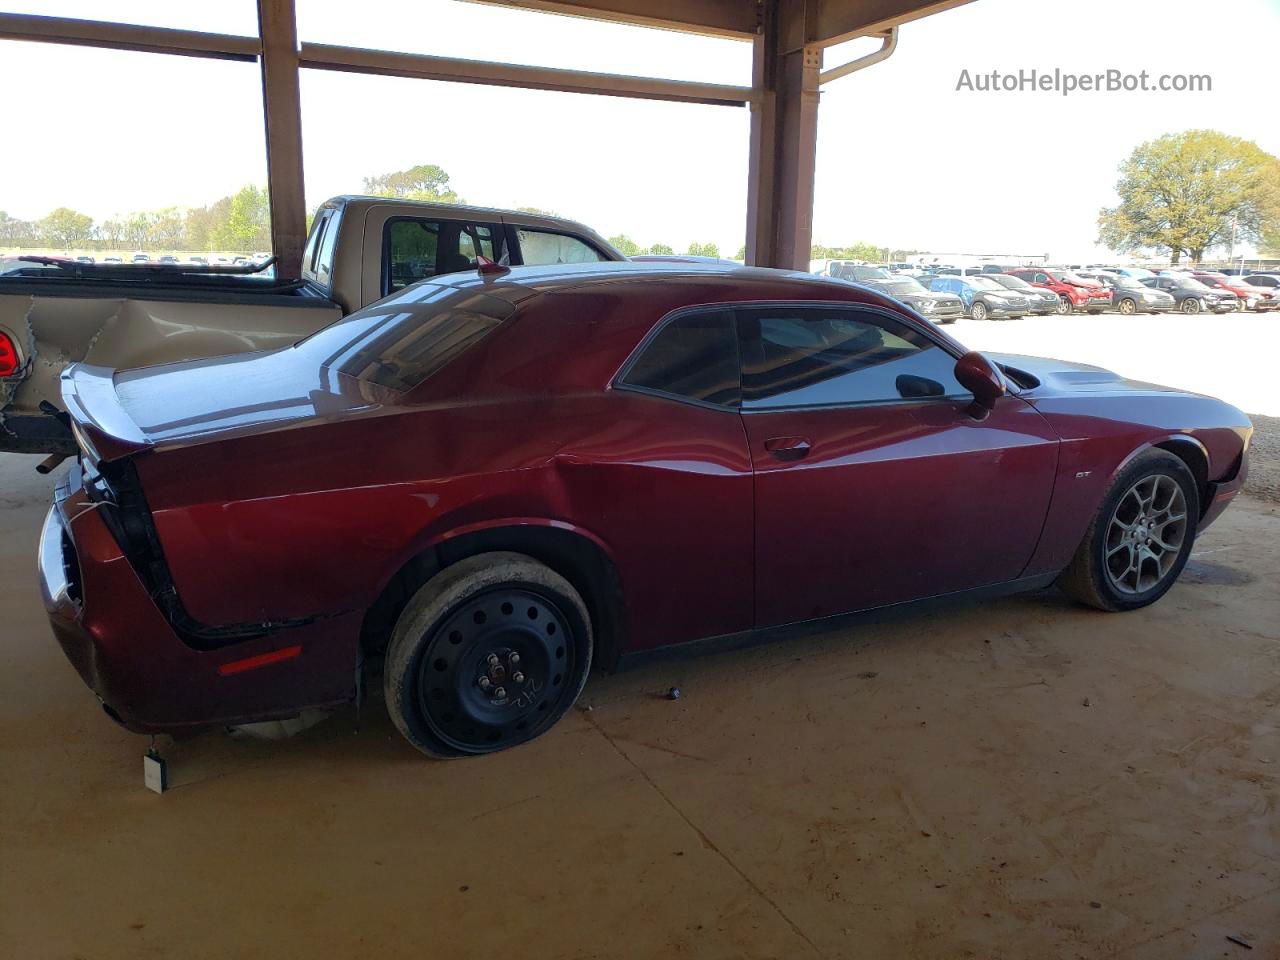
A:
[1128,307]
[1064,306]
[1145,535]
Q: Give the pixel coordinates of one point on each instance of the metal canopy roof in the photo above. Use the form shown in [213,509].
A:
[787,37]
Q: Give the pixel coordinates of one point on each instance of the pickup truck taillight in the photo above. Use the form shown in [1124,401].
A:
[8,356]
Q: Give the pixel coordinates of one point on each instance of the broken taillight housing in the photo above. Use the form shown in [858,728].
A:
[8,356]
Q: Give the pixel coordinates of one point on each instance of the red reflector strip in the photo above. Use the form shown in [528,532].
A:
[261,660]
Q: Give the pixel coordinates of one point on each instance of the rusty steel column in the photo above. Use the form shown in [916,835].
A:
[784,136]
[282,110]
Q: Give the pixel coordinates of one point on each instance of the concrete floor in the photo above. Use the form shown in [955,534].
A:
[1020,779]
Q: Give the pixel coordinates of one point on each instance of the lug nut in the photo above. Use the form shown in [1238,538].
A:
[492,660]
[514,658]
[518,677]
[484,683]
[500,693]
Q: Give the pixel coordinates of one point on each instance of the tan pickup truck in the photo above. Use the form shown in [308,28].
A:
[57,312]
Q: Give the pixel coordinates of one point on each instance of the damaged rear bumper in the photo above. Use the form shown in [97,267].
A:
[147,678]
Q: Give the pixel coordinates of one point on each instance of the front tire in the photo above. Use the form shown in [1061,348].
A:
[1065,305]
[1190,305]
[488,654]
[978,310]
[1140,539]
[1128,307]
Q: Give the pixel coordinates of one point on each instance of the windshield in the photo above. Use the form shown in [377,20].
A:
[983,283]
[401,341]
[1078,280]
[1129,283]
[850,271]
[904,285]
[1191,283]
[1012,283]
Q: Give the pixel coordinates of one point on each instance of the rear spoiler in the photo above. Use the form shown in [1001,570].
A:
[101,426]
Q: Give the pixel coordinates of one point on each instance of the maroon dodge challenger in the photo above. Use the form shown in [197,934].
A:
[492,480]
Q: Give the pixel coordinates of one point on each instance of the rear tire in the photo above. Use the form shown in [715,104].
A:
[488,654]
[1140,539]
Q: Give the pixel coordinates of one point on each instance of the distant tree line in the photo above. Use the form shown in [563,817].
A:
[240,221]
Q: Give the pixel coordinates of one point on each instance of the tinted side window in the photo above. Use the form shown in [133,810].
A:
[694,356]
[815,356]
[324,255]
[313,244]
[417,248]
[539,247]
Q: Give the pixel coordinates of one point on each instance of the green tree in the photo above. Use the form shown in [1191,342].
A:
[15,232]
[1188,192]
[67,229]
[168,230]
[426,181]
[625,245]
[247,225]
[660,250]
[742,253]
[137,230]
[538,211]
[697,249]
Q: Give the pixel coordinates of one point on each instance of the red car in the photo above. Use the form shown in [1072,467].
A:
[494,480]
[1074,293]
[1251,297]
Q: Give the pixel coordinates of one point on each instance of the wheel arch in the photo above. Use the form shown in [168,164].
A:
[1187,449]
[577,555]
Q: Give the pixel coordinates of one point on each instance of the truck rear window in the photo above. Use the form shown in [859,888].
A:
[401,341]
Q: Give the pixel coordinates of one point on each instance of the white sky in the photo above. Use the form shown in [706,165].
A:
[903,158]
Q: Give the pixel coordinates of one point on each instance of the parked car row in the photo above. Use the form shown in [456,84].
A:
[1006,292]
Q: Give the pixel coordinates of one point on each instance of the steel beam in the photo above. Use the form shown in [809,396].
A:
[388,63]
[735,19]
[841,20]
[784,137]
[127,36]
[282,111]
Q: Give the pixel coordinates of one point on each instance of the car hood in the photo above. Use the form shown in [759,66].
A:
[1065,376]
[118,413]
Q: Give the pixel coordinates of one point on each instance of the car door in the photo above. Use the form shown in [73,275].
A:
[874,483]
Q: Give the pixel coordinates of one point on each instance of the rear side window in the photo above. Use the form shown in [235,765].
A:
[541,247]
[417,248]
[694,357]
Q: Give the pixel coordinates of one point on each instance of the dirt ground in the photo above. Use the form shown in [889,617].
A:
[1019,779]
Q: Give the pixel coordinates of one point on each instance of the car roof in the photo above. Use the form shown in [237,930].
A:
[715,282]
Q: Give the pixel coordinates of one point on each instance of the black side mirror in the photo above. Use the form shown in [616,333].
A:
[983,379]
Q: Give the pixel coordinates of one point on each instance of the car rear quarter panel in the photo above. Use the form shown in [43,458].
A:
[1101,432]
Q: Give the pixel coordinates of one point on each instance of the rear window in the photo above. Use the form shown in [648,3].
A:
[694,356]
[402,341]
[417,248]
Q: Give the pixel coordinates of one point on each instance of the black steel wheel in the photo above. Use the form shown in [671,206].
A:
[488,654]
